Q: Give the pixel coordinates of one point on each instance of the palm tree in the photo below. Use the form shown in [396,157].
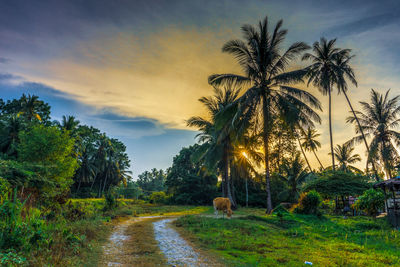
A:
[246,157]
[265,68]
[343,154]
[87,168]
[217,149]
[29,106]
[345,71]
[310,142]
[9,135]
[378,121]
[295,175]
[324,73]
[69,123]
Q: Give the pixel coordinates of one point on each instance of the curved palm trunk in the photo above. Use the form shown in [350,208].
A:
[266,153]
[304,154]
[315,154]
[363,136]
[330,127]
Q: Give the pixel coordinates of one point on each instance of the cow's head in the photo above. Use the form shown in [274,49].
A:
[229,213]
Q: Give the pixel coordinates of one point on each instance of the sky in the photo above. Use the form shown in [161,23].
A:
[136,69]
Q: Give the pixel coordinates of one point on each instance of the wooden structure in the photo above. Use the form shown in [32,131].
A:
[391,188]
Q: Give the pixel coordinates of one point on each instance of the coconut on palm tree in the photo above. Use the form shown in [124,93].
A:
[378,121]
[267,79]
[310,142]
[344,155]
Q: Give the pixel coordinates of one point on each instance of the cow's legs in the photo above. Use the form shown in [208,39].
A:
[215,210]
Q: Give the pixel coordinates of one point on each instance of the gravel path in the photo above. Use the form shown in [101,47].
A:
[177,251]
[113,248]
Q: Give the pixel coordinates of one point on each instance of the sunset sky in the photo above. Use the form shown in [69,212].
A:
[136,69]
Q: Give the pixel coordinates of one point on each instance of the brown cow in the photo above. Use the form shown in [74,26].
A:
[223,204]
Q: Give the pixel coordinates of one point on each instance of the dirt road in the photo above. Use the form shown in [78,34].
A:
[151,241]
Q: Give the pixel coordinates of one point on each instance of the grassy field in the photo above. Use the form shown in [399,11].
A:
[258,240]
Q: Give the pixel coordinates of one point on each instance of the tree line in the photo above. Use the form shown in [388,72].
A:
[52,160]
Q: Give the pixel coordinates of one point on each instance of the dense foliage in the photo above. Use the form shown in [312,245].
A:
[371,202]
[188,183]
[338,183]
[308,203]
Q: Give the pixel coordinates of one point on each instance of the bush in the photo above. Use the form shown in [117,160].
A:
[20,232]
[111,201]
[308,203]
[158,198]
[370,202]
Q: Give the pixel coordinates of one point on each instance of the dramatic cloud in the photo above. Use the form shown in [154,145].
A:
[136,68]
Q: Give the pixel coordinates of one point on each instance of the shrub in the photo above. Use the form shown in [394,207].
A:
[308,203]
[158,197]
[111,201]
[370,202]
[17,231]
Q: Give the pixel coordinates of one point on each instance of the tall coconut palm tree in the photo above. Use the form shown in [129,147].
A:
[343,154]
[344,71]
[324,72]
[269,83]
[29,106]
[378,121]
[310,142]
[217,148]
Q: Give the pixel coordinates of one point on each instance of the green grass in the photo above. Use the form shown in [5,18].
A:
[256,240]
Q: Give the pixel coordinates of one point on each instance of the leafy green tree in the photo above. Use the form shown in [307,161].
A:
[28,107]
[52,149]
[188,182]
[130,190]
[152,181]
[371,202]
[324,73]
[269,83]
[378,121]
[338,183]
